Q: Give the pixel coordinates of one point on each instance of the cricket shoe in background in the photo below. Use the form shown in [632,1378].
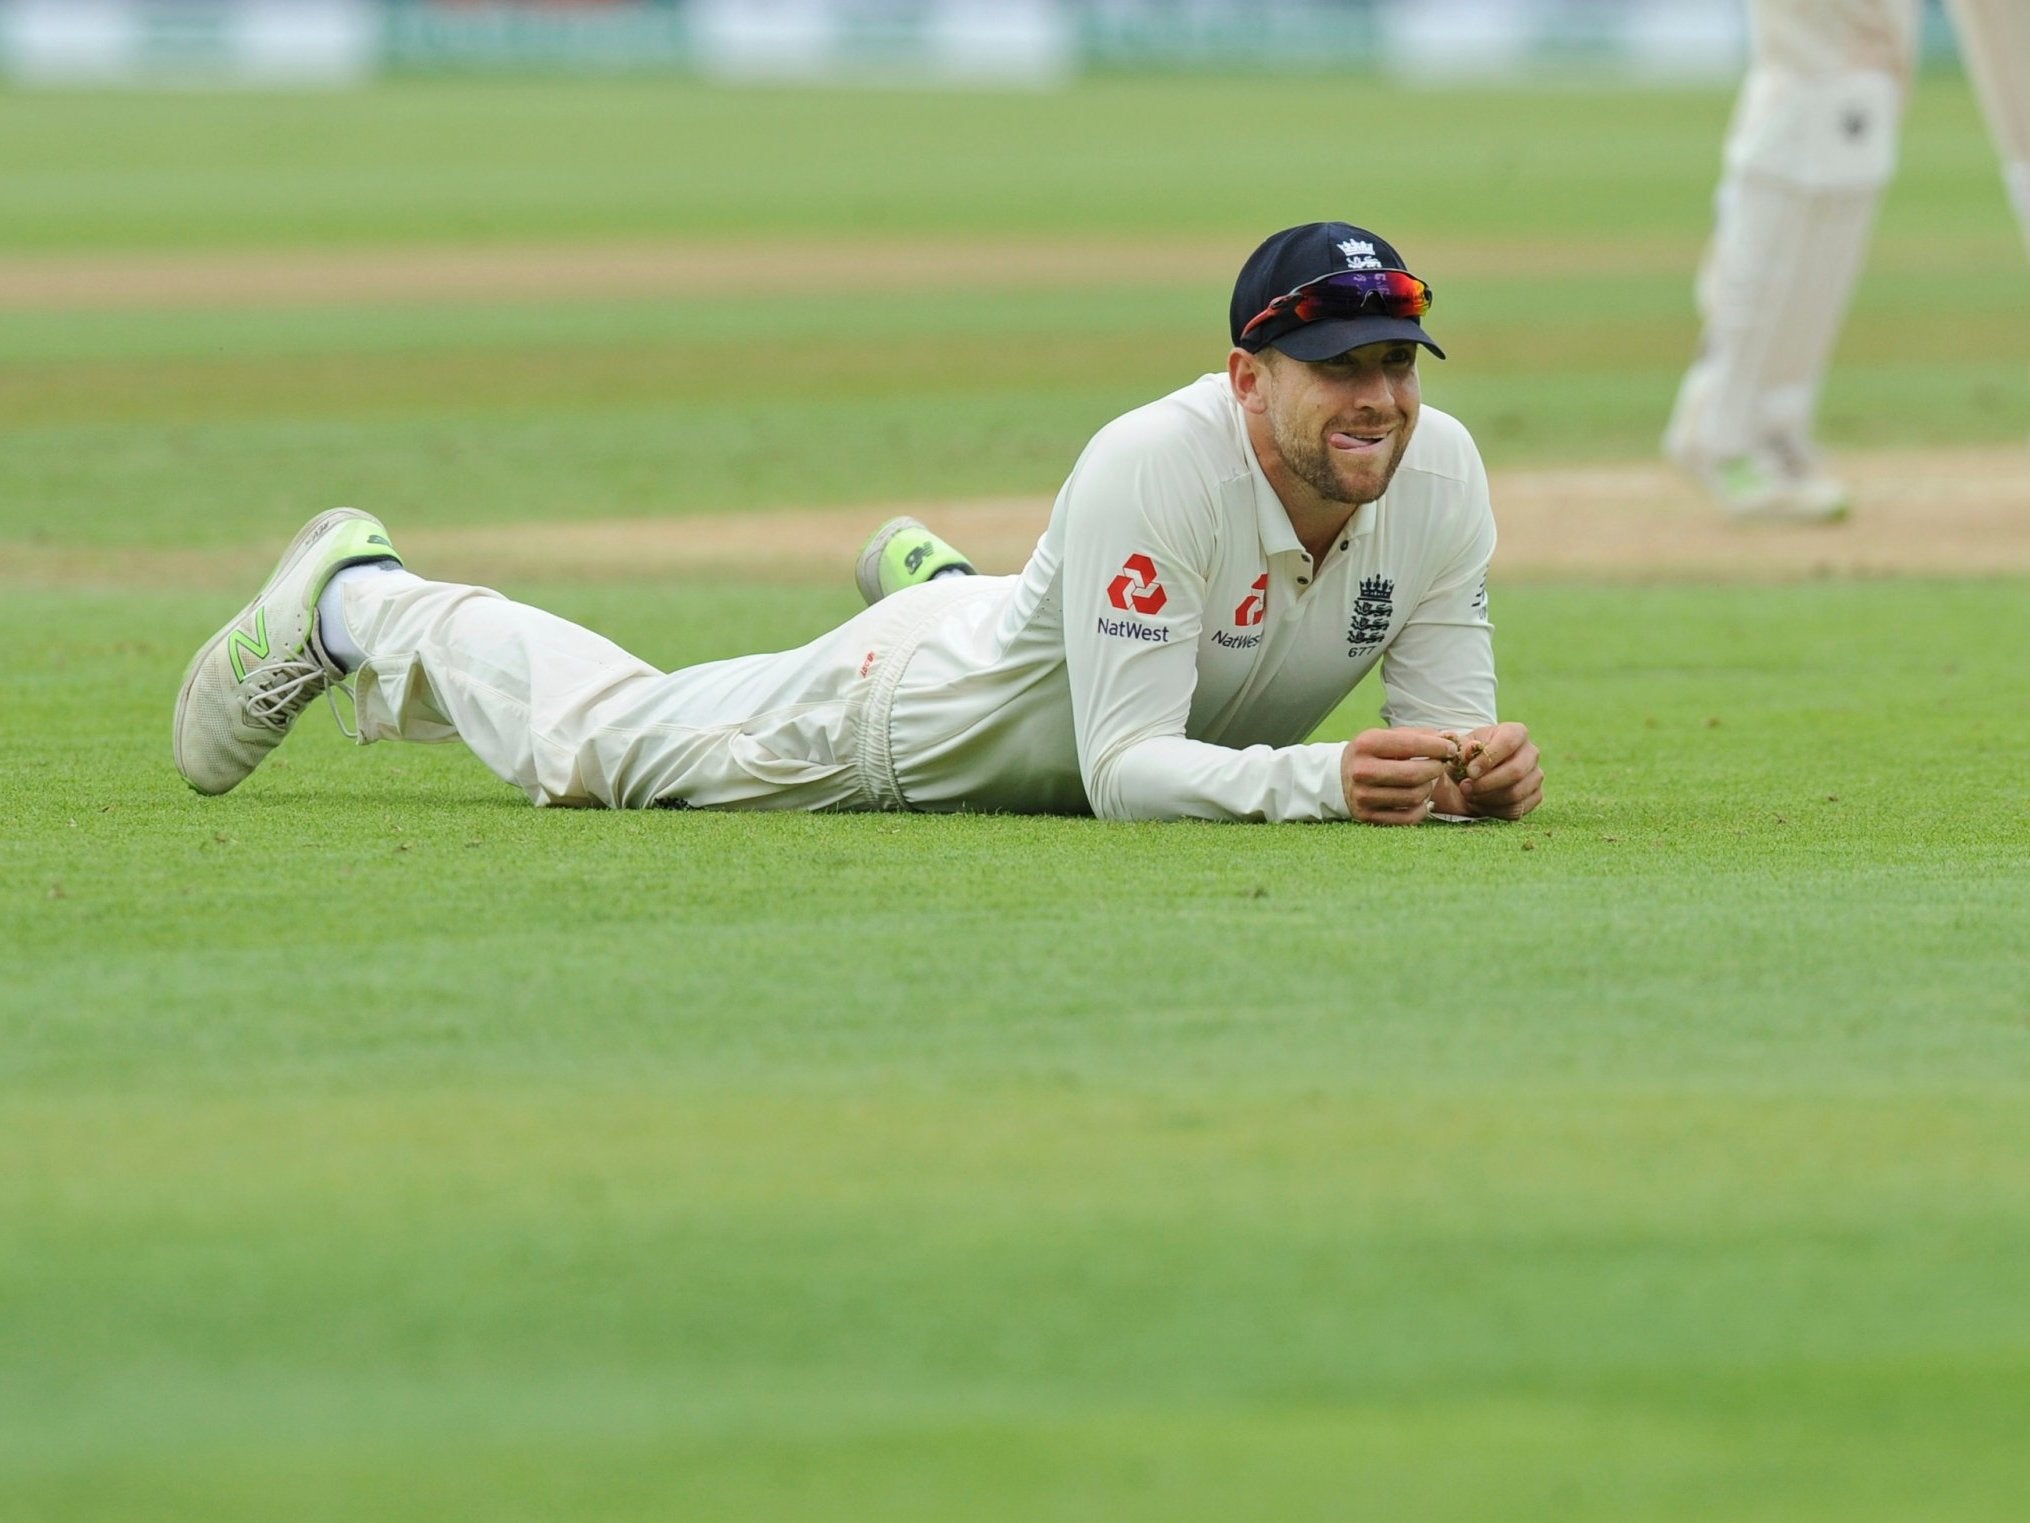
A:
[1775,484]
[1777,478]
[249,682]
[901,554]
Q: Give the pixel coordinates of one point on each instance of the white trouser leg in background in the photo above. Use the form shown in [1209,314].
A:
[1810,149]
[1994,43]
[570,718]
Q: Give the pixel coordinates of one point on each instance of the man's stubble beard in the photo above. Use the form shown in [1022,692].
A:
[1310,461]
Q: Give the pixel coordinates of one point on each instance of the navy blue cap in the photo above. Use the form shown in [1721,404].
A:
[1297,256]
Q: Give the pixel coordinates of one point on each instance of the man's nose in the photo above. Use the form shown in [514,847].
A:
[1368,388]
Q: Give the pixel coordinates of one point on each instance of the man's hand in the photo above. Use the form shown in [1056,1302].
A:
[1390,776]
[1398,777]
[1504,778]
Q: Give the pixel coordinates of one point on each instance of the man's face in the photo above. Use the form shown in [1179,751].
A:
[1340,426]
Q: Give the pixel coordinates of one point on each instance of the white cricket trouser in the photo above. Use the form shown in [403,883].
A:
[1823,37]
[570,718]
[1994,39]
[1811,146]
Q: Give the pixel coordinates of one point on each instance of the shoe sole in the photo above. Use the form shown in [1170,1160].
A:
[1772,508]
[308,535]
[867,571]
[1783,515]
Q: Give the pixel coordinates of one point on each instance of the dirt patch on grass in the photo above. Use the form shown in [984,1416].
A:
[564,272]
[1918,513]
[281,278]
[323,278]
[1931,513]
[1945,512]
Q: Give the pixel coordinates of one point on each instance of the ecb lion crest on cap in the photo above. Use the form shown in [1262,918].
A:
[1359,255]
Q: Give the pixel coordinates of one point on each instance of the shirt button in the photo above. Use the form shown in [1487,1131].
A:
[1303,581]
[1344,543]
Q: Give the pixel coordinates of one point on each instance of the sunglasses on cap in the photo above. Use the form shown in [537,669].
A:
[1349,293]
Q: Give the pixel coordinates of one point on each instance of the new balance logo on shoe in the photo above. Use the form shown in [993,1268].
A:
[241,644]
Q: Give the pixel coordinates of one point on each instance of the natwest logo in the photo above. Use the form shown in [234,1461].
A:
[1137,588]
[1255,606]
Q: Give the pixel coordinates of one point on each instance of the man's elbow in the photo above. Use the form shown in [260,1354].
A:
[1116,792]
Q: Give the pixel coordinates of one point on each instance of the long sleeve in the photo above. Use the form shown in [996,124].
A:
[1141,521]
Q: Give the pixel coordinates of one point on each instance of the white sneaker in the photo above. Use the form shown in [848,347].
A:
[1773,485]
[903,553]
[1778,481]
[248,683]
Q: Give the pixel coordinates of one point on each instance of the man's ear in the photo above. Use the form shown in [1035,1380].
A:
[1248,374]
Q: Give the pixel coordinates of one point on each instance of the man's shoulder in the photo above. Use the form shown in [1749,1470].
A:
[1198,417]
[1443,447]
[1170,462]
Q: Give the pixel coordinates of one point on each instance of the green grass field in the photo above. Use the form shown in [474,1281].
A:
[372,1145]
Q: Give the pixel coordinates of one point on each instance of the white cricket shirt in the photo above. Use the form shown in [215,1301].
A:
[1170,645]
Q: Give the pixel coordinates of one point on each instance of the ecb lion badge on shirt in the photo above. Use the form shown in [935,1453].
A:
[1372,614]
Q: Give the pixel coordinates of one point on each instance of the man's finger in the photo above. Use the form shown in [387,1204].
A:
[1513,806]
[1418,772]
[1509,773]
[1402,744]
[1372,812]
[1497,744]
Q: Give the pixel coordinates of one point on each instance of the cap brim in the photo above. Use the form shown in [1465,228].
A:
[1323,340]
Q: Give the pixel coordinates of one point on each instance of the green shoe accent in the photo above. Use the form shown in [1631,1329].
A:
[242,644]
[901,554]
[1742,477]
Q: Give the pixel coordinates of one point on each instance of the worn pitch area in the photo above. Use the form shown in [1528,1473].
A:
[1918,513]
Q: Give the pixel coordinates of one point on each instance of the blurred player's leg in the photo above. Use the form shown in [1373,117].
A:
[1994,43]
[1810,149]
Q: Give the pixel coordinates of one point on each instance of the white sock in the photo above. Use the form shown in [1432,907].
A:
[332,635]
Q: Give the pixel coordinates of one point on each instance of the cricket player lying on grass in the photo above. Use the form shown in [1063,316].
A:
[1221,569]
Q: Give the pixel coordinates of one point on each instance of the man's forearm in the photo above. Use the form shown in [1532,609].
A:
[1169,777]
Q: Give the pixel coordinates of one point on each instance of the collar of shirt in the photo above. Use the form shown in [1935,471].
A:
[1272,519]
